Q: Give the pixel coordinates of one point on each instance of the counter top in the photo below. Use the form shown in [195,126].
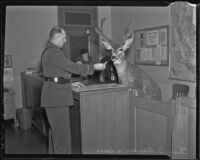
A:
[91,85]
[97,87]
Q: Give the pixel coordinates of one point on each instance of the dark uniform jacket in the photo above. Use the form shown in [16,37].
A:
[55,64]
[110,72]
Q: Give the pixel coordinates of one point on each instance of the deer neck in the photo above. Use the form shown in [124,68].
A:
[121,68]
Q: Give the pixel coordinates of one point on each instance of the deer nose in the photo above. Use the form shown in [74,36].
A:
[113,57]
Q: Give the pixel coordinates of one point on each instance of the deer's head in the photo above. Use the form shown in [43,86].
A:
[117,50]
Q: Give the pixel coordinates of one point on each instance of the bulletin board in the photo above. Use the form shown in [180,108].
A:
[152,46]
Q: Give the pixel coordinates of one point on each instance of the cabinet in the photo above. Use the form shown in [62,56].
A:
[31,98]
[100,119]
[9,105]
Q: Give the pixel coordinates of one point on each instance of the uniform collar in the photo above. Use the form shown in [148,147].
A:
[51,45]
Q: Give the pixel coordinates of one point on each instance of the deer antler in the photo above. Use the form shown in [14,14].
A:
[128,31]
[100,32]
[128,38]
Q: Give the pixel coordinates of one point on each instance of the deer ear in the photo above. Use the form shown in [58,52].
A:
[107,45]
[127,44]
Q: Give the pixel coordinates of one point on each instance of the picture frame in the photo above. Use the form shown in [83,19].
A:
[7,61]
[152,46]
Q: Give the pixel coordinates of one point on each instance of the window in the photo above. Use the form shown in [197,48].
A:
[72,18]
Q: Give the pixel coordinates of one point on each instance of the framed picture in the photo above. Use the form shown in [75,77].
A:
[152,46]
[7,61]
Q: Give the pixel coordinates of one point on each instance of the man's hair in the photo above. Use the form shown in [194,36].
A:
[55,30]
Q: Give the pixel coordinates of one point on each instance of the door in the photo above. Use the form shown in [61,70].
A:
[80,35]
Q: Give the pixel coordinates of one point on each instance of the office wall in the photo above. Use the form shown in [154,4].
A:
[27,29]
[26,32]
[144,17]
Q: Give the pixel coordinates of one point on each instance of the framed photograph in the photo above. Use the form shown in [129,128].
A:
[7,61]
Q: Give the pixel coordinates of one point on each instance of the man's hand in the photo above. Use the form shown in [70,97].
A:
[77,84]
[100,66]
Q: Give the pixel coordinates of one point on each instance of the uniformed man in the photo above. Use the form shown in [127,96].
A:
[56,92]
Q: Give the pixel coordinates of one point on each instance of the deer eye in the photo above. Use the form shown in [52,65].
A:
[120,49]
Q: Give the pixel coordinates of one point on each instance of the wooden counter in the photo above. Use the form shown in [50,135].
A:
[109,119]
[100,119]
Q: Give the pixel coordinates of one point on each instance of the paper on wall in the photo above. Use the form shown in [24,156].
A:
[164,53]
[8,74]
[144,55]
[153,37]
[158,54]
[149,53]
[163,36]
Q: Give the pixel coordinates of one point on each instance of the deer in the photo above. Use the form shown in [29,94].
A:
[129,74]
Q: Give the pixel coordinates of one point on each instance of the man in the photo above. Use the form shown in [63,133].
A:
[56,92]
[84,57]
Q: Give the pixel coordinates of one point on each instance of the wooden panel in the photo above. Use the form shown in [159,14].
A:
[151,125]
[192,133]
[151,131]
[184,133]
[105,123]
[179,145]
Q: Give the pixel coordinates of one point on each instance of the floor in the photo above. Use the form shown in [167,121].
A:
[31,141]
[19,141]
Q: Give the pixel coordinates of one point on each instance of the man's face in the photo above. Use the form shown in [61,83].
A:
[85,56]
[61,39]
